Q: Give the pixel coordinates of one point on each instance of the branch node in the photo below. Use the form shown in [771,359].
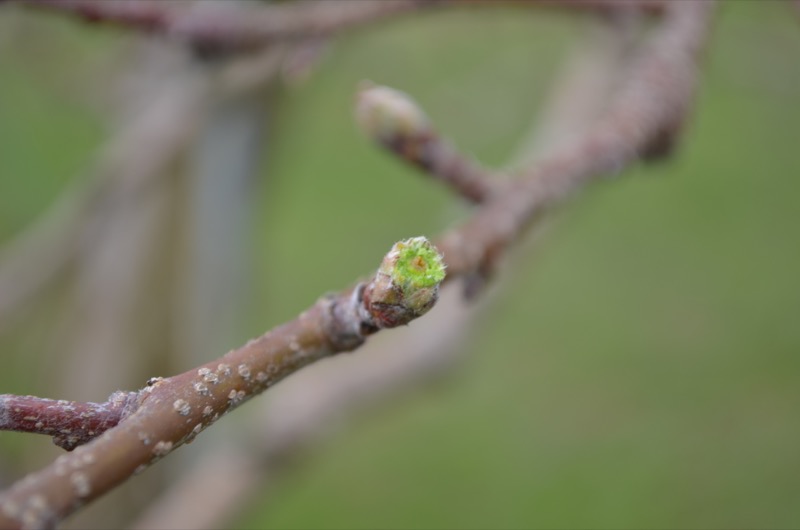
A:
[341,323]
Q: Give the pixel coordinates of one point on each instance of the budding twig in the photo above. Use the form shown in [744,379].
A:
[656,93]
[642,122]
[395,120]
[173,411]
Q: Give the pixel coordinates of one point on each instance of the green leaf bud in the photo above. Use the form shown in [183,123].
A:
[407,283]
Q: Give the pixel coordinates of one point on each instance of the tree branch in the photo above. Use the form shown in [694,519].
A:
[70,423]
[173,411]
[655,97]
[642,122]
[232,28]
[396,122]
[304,410]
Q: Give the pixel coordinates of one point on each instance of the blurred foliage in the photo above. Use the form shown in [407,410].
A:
[643,370]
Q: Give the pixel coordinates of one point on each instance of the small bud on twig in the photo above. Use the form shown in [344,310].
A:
[407,283]
[400,125]
[387,114]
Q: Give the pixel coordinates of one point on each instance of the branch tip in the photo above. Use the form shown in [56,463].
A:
[388,114]
[399,124]
[406,285]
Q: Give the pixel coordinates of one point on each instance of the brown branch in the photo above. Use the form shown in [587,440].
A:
[233,28]
[173,411]
[70,423]
[642,122]
[396,122]
[308,408]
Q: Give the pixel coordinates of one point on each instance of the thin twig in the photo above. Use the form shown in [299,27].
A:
[70,423]
[397,122]
[173,411]
[642,122]
[307,408]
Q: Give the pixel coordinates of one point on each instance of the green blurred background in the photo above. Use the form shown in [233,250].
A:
[641,367]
